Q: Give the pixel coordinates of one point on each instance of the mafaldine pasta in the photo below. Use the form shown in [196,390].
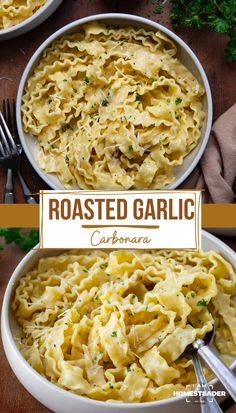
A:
[112,108]
[114,326]
[13,12]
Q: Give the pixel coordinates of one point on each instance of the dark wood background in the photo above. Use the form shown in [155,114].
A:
[13,397]
[14,55]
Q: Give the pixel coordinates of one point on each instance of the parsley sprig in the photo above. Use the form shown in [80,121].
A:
[24,240]
[219,15]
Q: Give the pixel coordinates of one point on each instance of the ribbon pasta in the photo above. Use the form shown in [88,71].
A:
[114,326]
[13,12]
[112,108]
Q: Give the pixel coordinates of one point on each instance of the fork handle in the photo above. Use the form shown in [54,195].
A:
[207,402]
[27,194]
[9,195]
[224,374]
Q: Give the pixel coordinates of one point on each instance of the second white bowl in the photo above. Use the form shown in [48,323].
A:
[62,401]
[33,21]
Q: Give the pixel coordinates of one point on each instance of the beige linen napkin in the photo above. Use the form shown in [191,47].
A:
[216,172]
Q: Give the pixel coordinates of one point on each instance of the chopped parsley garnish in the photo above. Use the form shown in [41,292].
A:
[133,297]
[131,149]
[202,303]
[104,102]
[37,338]
[65,80]
[111,386]
[138,98]
[114,334]
[129,369]
[86,80]
[104,265]
[178,101]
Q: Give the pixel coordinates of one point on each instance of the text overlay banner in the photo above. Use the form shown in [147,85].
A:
[129,219]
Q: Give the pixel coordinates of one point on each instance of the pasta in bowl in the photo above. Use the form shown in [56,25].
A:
[19,16]
[113,326]
[14,12]
[114,107]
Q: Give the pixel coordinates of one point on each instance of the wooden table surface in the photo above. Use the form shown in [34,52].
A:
[14,55]
[13,397]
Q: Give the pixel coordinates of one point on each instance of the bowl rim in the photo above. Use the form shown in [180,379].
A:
[29,20]
[38,377]
[123,17]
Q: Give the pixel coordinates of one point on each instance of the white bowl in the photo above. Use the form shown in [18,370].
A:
[62,401]
[186,56]
[33,21]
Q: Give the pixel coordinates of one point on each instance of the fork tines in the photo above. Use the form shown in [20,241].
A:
[7,128]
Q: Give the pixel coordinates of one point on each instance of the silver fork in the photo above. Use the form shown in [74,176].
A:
[10,153]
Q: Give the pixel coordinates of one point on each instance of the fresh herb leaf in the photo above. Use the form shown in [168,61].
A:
[86,80]
[138,97]
[131,149]
[158,6]
[219,25]
[133,298]
[178,101]
[219,15]
[37,338]
[230,50]
[104,102]
[24,240]
[104,265]
[114,334]
[202,303]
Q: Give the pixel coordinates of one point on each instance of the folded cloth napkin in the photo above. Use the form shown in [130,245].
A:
[216,172]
